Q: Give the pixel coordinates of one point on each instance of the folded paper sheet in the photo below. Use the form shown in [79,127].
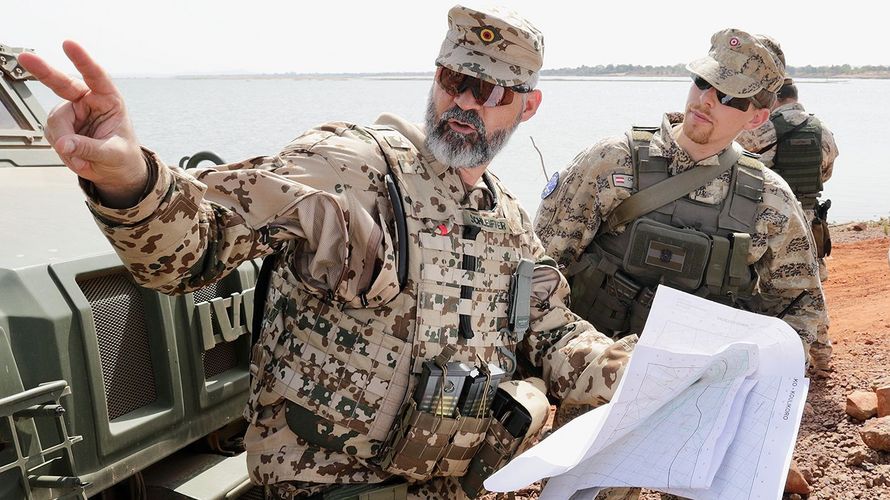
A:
[708,408]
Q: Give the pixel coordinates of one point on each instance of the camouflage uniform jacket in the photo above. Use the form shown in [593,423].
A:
[334,315]
[764,135]
[781,251]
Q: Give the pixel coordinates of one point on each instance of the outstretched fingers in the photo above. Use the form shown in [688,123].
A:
[93,75]
[63,85]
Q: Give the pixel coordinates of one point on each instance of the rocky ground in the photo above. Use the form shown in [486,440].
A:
[830,454]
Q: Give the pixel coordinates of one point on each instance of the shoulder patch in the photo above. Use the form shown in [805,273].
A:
[623,181]
[551,185]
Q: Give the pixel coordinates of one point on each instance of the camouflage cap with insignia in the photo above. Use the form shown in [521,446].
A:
[739,64]
[496,45]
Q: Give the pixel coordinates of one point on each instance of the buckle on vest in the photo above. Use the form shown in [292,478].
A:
[623,288]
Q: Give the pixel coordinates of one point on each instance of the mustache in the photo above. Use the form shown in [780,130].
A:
[463,115]
[698,109]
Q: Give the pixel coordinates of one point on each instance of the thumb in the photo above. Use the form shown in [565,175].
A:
[102,152]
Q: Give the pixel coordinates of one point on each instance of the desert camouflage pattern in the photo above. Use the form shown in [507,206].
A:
[496,45]
[776,48]
[340,343]
[739,65]
[782,252]
[761,137]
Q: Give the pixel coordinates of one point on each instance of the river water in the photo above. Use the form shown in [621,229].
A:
[239,118]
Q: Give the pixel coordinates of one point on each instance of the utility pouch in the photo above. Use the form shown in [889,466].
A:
[518,414]
[520,298]
[668,254]
[601,293]
[738,274]
[822,237]
[423,439]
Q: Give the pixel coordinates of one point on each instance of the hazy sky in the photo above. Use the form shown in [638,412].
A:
[163,37]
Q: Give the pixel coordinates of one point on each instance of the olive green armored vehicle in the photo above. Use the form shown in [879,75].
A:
[107,390]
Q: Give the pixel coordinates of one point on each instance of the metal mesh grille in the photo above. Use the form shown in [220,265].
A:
[222,356]
[219,359]
[210,291]
[124,351]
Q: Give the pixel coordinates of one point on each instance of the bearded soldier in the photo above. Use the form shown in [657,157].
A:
[399,272]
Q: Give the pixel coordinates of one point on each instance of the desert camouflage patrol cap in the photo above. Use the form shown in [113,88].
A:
[739,64]
[773,45]
[495,45]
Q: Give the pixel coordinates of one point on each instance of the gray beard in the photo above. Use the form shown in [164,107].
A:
[457,150]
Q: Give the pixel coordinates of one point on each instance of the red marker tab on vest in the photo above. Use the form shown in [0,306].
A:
[442,230]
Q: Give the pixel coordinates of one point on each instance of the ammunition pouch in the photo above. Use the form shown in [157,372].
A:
[427,445]
[507,435]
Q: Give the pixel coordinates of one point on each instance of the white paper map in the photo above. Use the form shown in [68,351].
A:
[708,407]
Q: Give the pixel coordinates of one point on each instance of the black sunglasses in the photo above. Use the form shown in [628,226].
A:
[486,94]
[739,103]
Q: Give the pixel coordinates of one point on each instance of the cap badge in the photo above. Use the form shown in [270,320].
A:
[487,34]
[734,42]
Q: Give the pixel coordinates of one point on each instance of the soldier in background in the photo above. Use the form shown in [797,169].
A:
[683,205]
[800,148]
[393,254]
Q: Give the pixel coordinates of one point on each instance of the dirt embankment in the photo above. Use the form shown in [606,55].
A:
[829,452]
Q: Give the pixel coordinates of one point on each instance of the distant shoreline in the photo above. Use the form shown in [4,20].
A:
[841,72]
[544,76]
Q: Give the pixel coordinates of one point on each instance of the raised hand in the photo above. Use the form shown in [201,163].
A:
[91,131]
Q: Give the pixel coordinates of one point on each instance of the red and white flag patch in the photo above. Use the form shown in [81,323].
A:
[623,181]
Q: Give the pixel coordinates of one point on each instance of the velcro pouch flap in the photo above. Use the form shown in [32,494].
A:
[660,252]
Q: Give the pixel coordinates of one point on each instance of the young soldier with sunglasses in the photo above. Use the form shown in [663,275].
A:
[392,255]
[685,206]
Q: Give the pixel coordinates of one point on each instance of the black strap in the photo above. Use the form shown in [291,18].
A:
[260,291]
[398,212]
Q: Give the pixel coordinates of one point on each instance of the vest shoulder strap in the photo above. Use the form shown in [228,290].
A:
[397,152]
[672,188]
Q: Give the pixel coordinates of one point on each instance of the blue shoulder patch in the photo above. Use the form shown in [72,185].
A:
[551,185]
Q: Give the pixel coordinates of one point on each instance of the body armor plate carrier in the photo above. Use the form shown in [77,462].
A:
[688,245]
[799,157]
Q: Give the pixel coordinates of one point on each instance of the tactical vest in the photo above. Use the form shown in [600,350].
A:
[688,245]
[799,157]
[349,373]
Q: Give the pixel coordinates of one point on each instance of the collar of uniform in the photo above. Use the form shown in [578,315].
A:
[665,145]
[416,135]
[480,196]
[791,106]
